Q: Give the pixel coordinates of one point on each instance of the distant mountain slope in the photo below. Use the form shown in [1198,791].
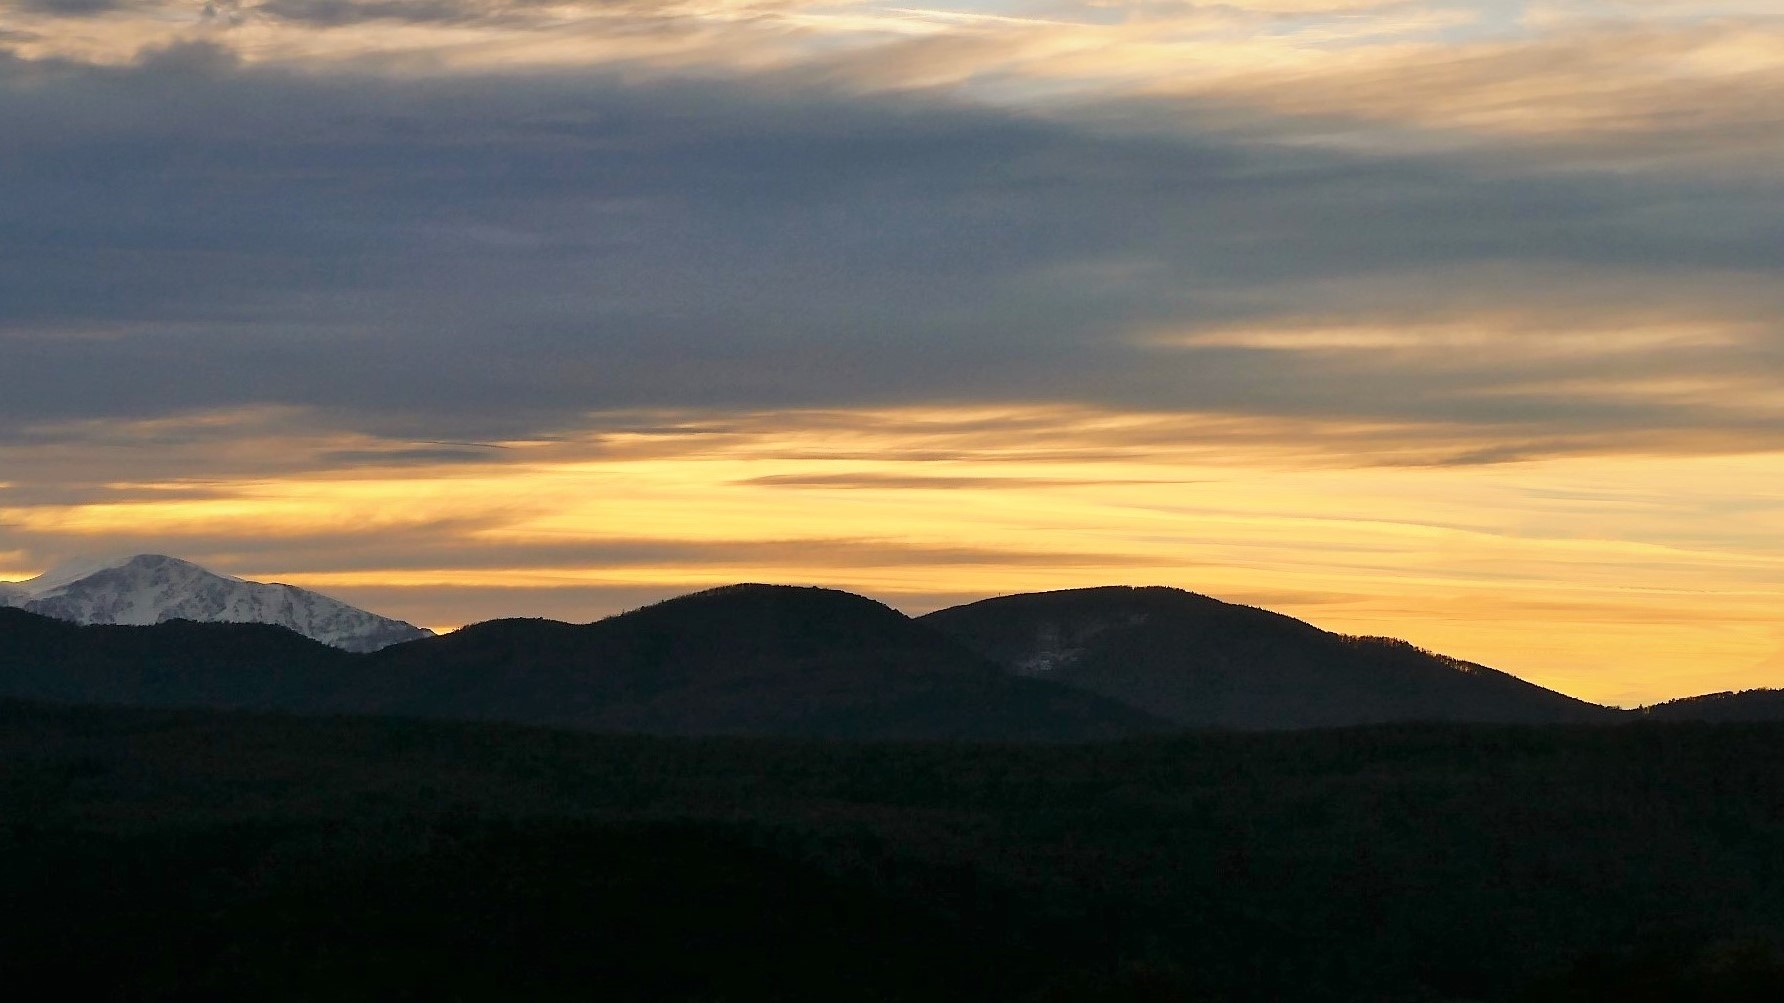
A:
[152,588]
[745,659]
[1202,662]
[778,660]
[1744,705]
[178,663]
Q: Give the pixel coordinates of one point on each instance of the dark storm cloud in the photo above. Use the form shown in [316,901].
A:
[493,257]
[70,8]
[334,13]
[402,457]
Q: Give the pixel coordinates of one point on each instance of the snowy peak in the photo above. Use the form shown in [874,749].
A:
[73,570]
[150,588]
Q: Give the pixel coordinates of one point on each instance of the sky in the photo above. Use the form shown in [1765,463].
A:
[1452,320]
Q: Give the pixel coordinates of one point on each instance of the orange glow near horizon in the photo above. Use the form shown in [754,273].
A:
[1622,579]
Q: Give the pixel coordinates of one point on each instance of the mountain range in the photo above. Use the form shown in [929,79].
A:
[743,660]
[153,588]
[1074,665]
[1201,662]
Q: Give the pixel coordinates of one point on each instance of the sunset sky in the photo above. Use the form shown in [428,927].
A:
[1455,320]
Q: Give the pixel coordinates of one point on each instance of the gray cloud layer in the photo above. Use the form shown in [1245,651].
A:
[487,257]
[69,8]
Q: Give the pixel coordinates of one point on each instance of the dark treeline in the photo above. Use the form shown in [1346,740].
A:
[160,854]
[1744,705]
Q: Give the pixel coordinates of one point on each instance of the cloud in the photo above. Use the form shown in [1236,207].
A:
[927,482]
[509,13]
[446,551]
[70,8]
[1633,94]
[493,257]
[421,455]
[604,301]
[335,13]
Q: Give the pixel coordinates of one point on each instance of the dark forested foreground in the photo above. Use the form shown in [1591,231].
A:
[160,854]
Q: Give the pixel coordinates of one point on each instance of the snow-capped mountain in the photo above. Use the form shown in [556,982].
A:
[151,588]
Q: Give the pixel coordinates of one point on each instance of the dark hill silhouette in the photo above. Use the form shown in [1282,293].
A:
[1743,705]
[177,663]
[779,660]
[1202,662]
[744,659]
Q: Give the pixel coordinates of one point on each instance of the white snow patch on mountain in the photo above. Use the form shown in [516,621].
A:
[151,588]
